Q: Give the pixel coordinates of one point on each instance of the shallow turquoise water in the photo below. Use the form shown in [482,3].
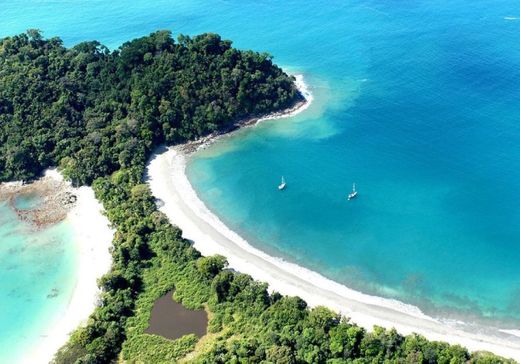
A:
[37,275]
[415,101]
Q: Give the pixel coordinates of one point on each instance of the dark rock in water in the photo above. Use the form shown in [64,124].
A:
[69,199]
[54,293]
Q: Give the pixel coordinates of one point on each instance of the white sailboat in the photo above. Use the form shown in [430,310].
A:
[282,185]
[352,194]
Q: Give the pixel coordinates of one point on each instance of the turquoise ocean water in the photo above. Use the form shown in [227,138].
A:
[37,276]
[415,101]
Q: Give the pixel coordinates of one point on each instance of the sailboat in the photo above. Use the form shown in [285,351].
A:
[352,194]
[282,185]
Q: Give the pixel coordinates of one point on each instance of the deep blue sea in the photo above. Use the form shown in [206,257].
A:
[415,101]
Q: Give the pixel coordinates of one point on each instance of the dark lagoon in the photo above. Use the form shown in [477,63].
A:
[172,320]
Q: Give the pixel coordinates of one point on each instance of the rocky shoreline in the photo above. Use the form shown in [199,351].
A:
[55,199]
[304,100]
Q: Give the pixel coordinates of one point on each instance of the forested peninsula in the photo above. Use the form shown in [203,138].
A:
[98,115]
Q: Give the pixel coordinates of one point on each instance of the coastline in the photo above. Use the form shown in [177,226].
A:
[298,107]
[169,184]
[93,238]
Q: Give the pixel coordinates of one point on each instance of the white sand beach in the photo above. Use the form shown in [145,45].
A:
[93,237]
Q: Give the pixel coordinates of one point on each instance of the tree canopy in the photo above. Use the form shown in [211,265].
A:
[93,111]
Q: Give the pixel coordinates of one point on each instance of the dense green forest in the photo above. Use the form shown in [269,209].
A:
[98,114]
[92,111]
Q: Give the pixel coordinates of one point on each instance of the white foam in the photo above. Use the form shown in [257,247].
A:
[306,93]
[512,332]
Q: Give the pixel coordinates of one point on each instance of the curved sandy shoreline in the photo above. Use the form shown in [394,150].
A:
[168,182]
[93,238]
